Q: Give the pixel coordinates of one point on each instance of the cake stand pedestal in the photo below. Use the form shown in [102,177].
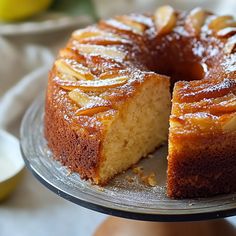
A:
[114,226]
[122,197]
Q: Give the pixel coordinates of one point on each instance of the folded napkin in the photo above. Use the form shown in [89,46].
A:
[23,75]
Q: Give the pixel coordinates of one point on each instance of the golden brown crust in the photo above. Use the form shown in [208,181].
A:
[203,166]
[182,49]
[202,144]
[76,141]
[69,144]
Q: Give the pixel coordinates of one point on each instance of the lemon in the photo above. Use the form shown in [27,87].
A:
[15,10]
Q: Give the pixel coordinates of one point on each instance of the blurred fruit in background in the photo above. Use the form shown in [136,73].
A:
[74,7]
[15,10]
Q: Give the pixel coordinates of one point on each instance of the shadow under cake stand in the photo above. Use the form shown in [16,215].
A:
[125,196]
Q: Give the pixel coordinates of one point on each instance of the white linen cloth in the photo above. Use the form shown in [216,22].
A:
[23,74]
[24,65]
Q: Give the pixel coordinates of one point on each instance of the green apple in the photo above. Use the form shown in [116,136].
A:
[16,10]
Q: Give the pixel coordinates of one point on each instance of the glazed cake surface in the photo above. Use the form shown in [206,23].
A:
[202,144]
[108,105]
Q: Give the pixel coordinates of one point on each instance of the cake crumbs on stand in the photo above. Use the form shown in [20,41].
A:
[148,180]
[138,170]
[150,156]
[101,189]
[69,172]
[129,179]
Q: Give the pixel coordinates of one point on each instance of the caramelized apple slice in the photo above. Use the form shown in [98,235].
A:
[216,106]
[89,105]
[134,25]
[73,69]
[198,90]
[195,21]
[81,34]
[97,50]
[106,41]
[89,111]
[230,46]
[176,122]
[123,24]
[92,32]
[80,98]
[230,124]
[92,85]
[144,20]
[113,74]
[84,100]
[72,54]
[201,120]
[165,19]
[228,31]
[221,22]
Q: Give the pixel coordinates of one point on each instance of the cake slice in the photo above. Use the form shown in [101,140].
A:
[202,139]
[100,127]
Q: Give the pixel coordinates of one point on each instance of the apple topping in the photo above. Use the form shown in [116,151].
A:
[105,40]
[92,85]
[80,98]
[82,34]
[220,22]
[228,31]
[73,69]
[113,74]
[165,19]
[195,21]
[134,25]
[175,122]
[89,105]
[90,33]
[103,51]
[230,124]
[202,120]
[230,46]
[89,111]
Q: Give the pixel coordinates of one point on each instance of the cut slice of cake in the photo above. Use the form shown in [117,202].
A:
[106,125]
[202,138]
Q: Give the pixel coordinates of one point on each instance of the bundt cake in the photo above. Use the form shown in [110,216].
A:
[108,99]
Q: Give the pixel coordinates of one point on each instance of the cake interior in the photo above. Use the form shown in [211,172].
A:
[136,129]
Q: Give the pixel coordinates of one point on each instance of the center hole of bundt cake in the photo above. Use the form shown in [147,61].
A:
[183,70]
[187,71]
[178,60]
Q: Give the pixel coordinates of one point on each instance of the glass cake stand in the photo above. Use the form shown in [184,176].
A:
[121,197]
